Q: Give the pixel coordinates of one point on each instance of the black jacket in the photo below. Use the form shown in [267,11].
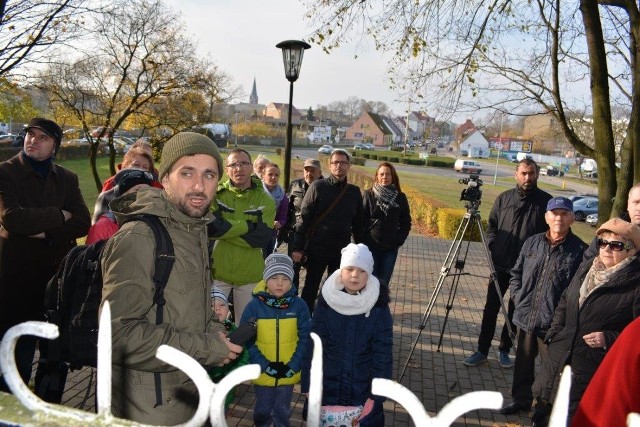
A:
[539,277]
[514,218]
[297,189]
[608,309]
[29,205]
[334,232]
[383,232]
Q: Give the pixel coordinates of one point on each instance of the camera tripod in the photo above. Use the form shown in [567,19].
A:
[471,217]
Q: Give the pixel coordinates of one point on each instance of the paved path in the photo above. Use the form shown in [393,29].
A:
[435,377]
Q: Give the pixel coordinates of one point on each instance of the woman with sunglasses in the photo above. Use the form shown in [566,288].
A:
[603,298]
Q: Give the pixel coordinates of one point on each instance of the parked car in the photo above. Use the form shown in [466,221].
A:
[467,166]
[592,175]
[360,146]
[464,153]
[577,197]
[551,170]
[325,149]
[585,206]
[592,219]
[369,146]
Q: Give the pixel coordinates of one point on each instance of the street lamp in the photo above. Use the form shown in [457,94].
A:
[292,52]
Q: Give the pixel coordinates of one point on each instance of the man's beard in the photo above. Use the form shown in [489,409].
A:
[191,211]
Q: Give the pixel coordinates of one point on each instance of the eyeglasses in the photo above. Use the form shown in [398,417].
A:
[238,165]
[339,162]
[614,245]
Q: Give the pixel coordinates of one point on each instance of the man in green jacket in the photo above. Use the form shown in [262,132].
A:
[244,225]
[189,171]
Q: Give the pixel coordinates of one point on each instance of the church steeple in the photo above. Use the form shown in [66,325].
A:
[253,98]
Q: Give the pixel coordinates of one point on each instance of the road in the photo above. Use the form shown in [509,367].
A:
[487,175]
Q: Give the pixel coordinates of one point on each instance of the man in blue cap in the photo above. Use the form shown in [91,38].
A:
[543,270]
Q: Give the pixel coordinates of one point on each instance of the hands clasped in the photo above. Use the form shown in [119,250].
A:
[279,370]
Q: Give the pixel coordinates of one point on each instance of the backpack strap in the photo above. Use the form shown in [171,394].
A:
[165,258]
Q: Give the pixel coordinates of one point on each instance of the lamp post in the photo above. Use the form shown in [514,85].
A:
[292,52]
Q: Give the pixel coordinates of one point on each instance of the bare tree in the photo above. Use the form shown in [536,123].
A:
[511,57]
[140,59]
[28,28]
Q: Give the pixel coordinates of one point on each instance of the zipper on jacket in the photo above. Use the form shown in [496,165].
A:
[539,292]
[277,342]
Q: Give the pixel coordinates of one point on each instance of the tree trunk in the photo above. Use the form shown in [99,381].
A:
[602,129]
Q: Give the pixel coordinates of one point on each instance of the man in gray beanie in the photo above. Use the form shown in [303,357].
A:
[189,171]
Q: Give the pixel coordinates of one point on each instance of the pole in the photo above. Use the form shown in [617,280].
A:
[495,174]
[287,146]
[236,130]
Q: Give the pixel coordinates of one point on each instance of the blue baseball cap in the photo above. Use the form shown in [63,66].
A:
[560,203]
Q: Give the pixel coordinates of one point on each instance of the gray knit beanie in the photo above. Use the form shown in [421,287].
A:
[278,263]
[187,144]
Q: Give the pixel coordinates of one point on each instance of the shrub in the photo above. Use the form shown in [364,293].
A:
[450,219]
[374,156]
[392,159]
[358,161]
[396,148]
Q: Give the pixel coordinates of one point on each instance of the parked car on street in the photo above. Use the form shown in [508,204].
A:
[325,149]
[577,197]
[360,146]
[369,146]
[592,219]
[585,206]
[551,170]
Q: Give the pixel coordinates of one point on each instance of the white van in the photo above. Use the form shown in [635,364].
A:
[467,166]
[521,156]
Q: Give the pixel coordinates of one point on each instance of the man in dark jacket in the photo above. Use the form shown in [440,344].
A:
[297,189]
[517,214]
[325,227]
[544,269]
[42,213]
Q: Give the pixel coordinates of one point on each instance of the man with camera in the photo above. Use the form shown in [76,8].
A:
[517,214]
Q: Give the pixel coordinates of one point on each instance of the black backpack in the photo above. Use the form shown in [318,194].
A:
[74,293]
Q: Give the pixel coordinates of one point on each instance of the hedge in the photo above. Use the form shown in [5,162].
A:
[449,221]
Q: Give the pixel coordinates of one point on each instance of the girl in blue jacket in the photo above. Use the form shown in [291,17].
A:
[353,320]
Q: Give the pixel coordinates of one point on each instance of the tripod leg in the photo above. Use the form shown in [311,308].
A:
[494,280]
[444,273]
[452,296]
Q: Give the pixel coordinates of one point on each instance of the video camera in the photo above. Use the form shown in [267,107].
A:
[472,193]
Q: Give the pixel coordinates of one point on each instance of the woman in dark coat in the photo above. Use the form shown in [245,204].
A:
[387,221]
[603,298]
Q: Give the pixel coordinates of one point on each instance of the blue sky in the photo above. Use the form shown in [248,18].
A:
[240,36]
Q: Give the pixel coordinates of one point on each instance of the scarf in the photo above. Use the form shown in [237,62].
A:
[42,167]
[598,275]
[385,196]
[347,304]
[277,193]
[282,303]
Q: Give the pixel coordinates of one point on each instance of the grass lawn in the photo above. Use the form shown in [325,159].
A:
[443,188]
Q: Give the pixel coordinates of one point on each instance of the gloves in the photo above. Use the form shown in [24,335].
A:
[279,370]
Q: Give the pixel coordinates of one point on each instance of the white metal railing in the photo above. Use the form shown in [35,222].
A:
[212,396]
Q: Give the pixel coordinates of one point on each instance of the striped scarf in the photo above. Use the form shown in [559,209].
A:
[385,196]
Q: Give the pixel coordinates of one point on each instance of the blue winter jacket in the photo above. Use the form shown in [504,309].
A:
[356,349]
[283,333]
[539,277]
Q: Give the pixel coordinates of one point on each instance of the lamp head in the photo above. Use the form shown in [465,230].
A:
[292,53]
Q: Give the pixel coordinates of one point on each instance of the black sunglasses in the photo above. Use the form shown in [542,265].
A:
[614,245]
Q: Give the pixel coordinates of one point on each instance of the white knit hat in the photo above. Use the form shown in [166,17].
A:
[357,256]
[278,263]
